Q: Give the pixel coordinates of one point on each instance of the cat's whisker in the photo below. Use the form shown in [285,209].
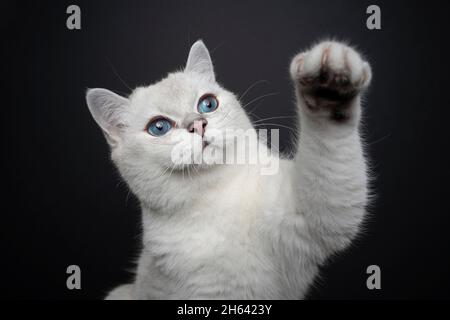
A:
[378,140]
[195,168]
[225,118]
[257,105]
[273,118]
[251,87]
[162,174]
[117,74]
[275,125]
[252,114]
[184,169]
[171,171]
[259,98]
[218,46]
[226,115]
[127,197]
[189,173]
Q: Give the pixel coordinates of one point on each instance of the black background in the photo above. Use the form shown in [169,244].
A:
[63,202]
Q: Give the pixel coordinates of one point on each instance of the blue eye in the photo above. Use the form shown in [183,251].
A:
[159,127]
[207,103]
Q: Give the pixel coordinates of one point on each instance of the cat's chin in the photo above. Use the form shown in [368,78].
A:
[193,169]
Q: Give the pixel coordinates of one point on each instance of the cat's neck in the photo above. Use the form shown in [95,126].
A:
[180,190]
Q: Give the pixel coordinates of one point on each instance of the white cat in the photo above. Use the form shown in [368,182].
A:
[227,231]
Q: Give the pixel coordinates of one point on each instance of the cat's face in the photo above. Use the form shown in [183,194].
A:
[181,119]
[174,123]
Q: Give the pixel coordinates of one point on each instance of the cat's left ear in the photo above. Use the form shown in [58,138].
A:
[199,61]
[109,110]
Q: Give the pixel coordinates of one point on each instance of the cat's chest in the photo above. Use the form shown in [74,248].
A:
[221,239]
[205,232]
[227,219]
[204,225]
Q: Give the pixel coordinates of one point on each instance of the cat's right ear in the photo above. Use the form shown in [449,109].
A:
[199,61]
[108,110]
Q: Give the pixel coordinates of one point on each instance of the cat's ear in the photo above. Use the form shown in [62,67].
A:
[199,61]
[108,110]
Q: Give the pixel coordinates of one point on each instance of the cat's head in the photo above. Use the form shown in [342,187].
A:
[156,127]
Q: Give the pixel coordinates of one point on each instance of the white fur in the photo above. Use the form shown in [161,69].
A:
[226,231]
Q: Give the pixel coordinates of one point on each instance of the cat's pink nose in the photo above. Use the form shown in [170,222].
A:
[198,126]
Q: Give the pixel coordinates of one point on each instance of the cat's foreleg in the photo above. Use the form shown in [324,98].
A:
[330,168]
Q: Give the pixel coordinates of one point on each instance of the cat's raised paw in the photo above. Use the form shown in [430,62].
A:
[329,75]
